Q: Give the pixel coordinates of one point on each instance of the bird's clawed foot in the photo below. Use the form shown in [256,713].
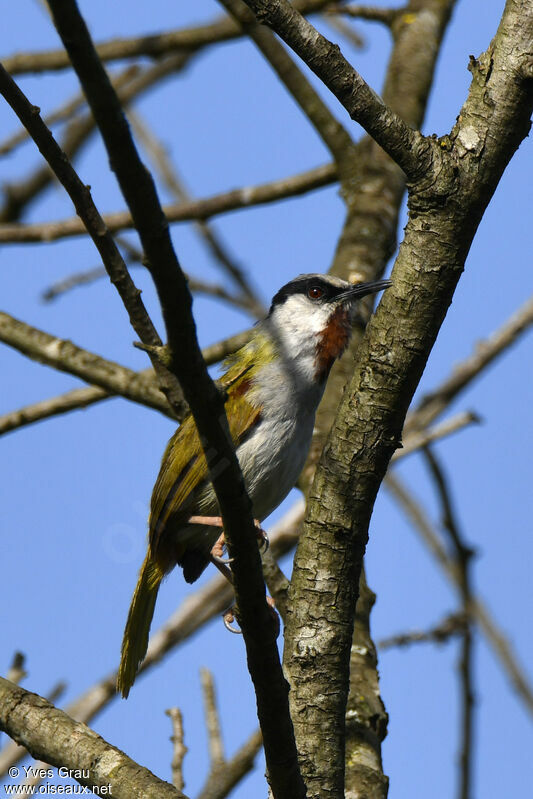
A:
[262,537]
[228,617]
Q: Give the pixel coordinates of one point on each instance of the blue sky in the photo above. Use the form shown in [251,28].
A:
[75,490]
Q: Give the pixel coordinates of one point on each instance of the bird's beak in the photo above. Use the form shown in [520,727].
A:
[362,289]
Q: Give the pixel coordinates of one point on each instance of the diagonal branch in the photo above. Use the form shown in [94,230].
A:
[83,397]
[485,352]
[214,242]
[205,401]
[50,735]
[497,640]
[246,197]
[404,145]
[67,357]
[331,131]
[181,41]
[445,209]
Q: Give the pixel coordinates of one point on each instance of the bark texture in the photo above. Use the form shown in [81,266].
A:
[445,206]
[52,736]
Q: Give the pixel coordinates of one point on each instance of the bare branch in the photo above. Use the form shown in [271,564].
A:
[386,16]
[222,782]
[179,748]
[183,40]
[216,246]
[16,672]
[346,30]
[325,59]
[463,559]
[247,197]
[64,112]
[500,645]
[434,403]
[212,721]
[277,583]
[416,440]
[195,287]
[389,365]
[51,735]
[67,357]
[84,397]
[451,626]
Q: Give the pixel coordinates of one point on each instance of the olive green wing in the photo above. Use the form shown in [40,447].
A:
[184,468]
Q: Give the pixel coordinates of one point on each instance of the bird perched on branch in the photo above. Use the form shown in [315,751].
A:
[273,386]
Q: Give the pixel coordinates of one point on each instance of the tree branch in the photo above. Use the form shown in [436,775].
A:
[485,352]
[51,735]
[246,197]
[449,627]
[220,783]
[182,40]
[463,559]
[330,130]
[83,397]
[445,209]
[501,647]
[406,146]
[179,748]
[386,16]
[205,401]
[67,357]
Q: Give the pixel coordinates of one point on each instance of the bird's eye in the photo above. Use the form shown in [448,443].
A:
[314,292]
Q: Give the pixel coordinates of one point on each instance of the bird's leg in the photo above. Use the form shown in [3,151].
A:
[218,547]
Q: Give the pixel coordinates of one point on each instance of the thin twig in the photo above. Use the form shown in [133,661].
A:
[277,583]
[221,783]
[463,559]
[216,246]
[17,672]
[403,144]
[346,30]
[64,112]
[417,439]
[451,626]
[212,721]
[181,40]
[179,750]
[236,199]
[205,401]
[196,286]
[486,351]
[499,643]
[386,16]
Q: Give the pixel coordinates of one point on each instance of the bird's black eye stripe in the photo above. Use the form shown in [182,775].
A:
[304,285]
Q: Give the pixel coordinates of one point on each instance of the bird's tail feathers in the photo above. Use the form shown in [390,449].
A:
[135,641]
